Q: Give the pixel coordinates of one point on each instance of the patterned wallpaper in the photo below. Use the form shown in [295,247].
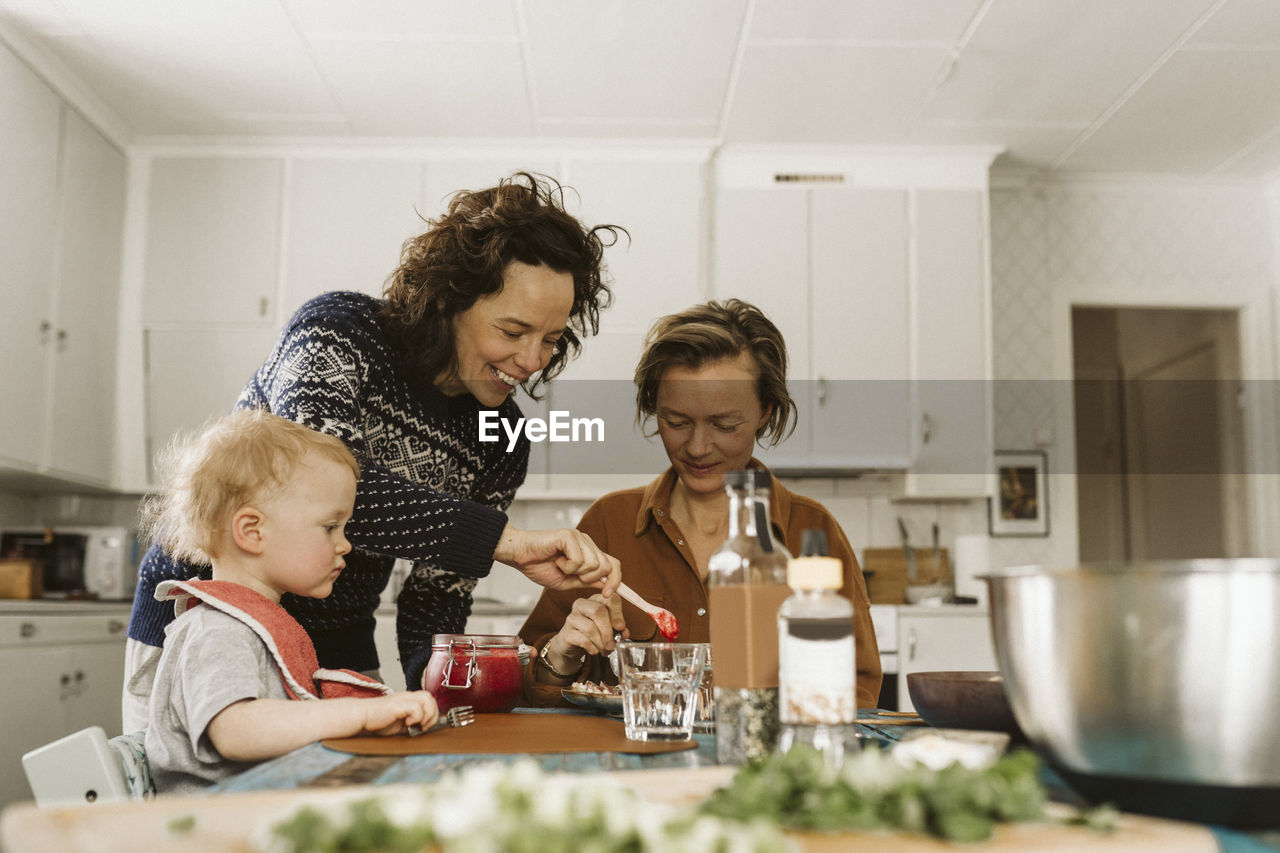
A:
[1126,239]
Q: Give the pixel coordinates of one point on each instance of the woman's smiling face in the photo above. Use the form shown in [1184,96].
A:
[506,337]
[708,418]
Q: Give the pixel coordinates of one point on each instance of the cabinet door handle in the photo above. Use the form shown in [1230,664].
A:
[115,626]
[27,630]
[926,428]
[911,644]
[262,306]
[45,328]
[62,340]
[822,390]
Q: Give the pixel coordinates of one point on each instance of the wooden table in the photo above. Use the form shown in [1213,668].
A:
[225,817]
[315,766]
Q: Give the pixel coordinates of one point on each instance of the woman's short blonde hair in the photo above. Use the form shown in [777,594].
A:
[711,332]
[234,460]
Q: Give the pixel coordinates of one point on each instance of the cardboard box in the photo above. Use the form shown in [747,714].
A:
[21,579]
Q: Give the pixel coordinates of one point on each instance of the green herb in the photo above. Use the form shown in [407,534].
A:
[872,790]
[183,824]
[516,809]
[1099,818]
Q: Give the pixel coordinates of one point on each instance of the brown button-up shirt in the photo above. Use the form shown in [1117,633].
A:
[635,525]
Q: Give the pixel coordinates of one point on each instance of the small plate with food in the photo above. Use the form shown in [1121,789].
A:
[594,696]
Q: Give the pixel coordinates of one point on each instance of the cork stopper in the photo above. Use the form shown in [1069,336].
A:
[814,573]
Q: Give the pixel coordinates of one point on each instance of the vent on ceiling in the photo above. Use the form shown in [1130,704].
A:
[808,178]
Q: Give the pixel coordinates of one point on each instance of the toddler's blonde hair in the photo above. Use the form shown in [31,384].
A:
[234,460]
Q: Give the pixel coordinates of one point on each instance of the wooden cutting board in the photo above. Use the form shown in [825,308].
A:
[889,583]
[225,823]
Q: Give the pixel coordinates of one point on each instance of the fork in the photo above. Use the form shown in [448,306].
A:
[454,718]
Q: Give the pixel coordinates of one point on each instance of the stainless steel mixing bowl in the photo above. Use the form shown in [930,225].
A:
[1164,671]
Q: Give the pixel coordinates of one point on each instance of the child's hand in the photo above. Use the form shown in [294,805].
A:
[395,712]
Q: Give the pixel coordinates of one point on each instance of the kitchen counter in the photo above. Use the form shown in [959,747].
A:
[59,606]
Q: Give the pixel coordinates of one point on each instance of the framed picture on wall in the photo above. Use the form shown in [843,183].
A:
[1021,503]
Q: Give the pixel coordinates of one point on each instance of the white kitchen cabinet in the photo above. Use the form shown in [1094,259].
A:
[858,395]
[761,255]
[804,259]
[65,672]
[882,294]
[448,172]
[347,219]
[28,215]
[829,267]
[212,241]
[196,374]
[952,324]
[942,639]
[658,268]
[598,386]
[62,189]
[81,428]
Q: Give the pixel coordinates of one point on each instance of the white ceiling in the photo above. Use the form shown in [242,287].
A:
[1176,87]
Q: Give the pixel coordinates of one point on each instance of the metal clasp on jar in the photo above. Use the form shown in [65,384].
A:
[448,664]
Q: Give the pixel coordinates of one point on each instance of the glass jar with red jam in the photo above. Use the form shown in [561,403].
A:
[480,670]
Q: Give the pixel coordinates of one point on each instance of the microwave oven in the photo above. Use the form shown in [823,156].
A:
[93,562]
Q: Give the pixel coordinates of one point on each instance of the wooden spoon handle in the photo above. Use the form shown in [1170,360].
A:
[631,595]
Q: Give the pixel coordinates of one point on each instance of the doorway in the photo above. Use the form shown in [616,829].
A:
[1159,433]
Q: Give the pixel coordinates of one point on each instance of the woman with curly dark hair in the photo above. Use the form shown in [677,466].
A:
[497,293]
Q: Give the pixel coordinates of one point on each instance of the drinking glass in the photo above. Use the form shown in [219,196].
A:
[704,717]
[660,684]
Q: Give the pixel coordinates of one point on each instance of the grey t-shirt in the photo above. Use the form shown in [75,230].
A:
[210,661]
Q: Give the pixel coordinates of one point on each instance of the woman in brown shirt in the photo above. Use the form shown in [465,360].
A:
[714,379]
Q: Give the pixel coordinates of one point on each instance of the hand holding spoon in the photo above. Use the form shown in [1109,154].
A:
[666,620]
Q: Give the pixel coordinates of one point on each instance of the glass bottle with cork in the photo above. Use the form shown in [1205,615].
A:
[747,583]
[817,671]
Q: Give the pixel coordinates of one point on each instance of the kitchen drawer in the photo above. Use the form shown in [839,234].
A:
[885,619]
[31,630]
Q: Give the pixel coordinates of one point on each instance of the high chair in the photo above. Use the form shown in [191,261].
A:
[86,767]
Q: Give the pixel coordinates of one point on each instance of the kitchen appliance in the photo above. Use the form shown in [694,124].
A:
[1153,685]
[97,562]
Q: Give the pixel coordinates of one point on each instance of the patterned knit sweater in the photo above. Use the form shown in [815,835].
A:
[429,491]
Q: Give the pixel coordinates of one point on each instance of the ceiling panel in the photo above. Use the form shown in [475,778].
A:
[639,129]
[863,20]
[1196,112]
[173,96]
[1138,85]
[1143,27]
[1242,22]
[1065,86]
[165,74]
[830,93]
[482,19]
[1263,159]
[657,60]
[408,88]
[1058,60]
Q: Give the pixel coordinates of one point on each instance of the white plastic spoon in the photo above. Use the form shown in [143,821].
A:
[666,620]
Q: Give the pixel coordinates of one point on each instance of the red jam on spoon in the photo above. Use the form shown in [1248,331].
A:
[667,624]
